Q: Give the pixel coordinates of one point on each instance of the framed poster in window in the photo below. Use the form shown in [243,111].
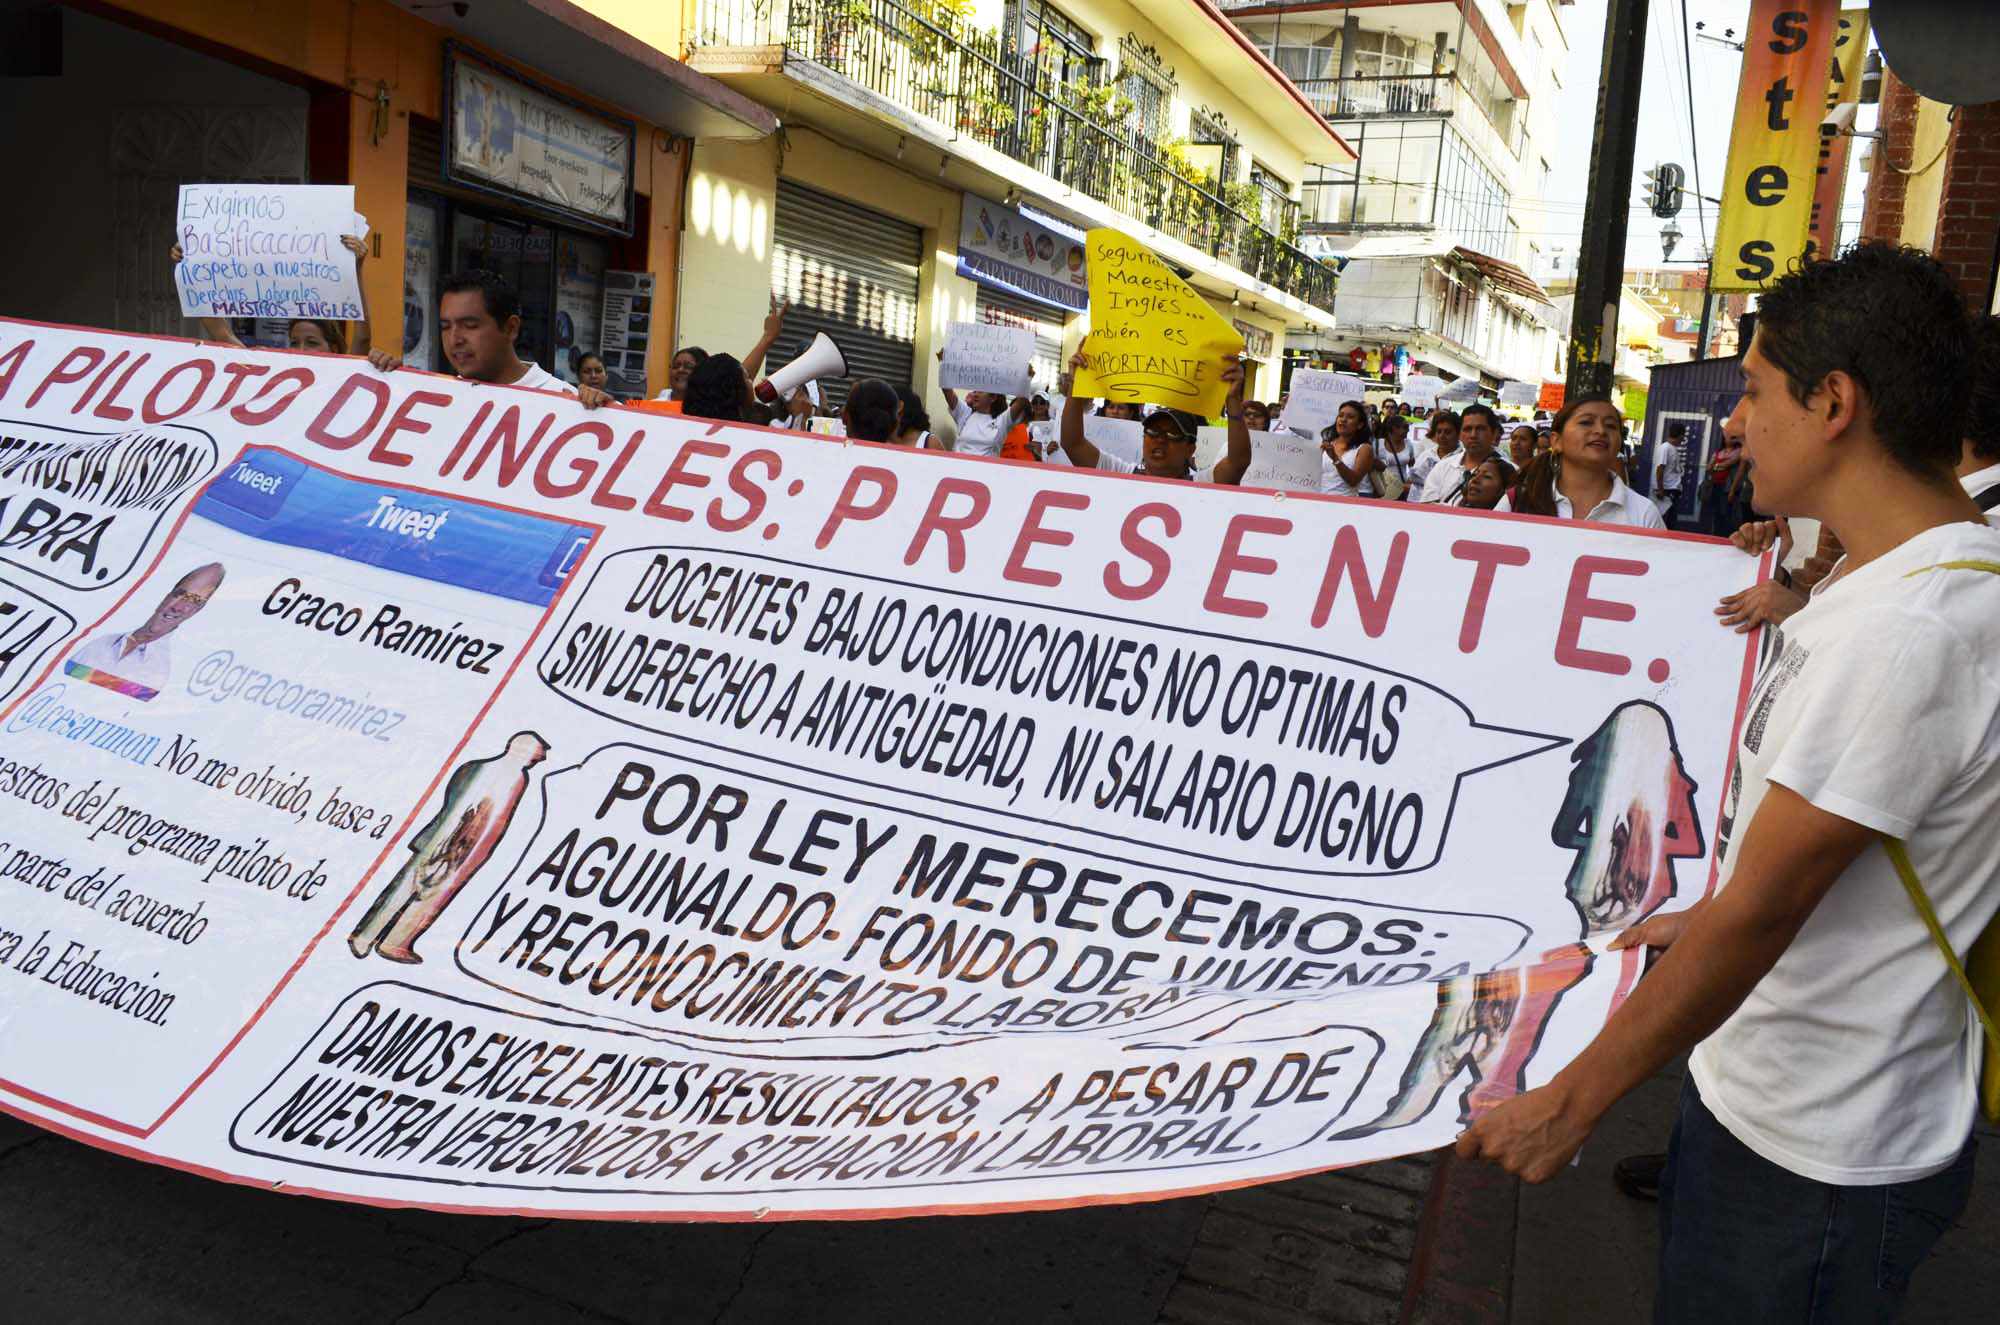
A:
[508,136]
[420,277]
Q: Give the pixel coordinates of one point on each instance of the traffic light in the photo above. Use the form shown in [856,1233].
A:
[1663,189]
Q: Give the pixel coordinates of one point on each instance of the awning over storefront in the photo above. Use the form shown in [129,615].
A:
[1503,274]
[558,40]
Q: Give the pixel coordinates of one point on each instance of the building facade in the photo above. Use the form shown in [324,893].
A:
[447,121]
[1934,183]
[1449,105]
[939,161]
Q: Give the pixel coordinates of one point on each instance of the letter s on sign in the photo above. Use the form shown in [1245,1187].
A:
[1788,31]
[1755,255]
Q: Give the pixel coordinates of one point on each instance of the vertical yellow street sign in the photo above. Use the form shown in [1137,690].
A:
[1767,193]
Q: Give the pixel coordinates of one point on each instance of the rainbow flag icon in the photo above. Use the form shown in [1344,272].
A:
[99,677]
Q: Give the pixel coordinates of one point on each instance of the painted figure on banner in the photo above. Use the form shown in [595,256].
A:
[478,805]
[1628,813]
[138,663]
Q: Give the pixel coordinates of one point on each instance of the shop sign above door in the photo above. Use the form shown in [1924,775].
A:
[510,137]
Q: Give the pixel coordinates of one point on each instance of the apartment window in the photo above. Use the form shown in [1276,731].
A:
[1472,203]
[1207,129]
[1305,48]
[1393,181]
[1280,209]
[1149,84]
[1052,39]
[1386,55]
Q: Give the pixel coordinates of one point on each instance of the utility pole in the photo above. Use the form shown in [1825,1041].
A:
[1600,262]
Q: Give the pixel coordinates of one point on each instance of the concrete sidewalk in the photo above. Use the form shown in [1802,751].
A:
[94,1237]
[1575,1248]
[90,1236]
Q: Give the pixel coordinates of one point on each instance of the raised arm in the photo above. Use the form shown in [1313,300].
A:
[1358,465]
[1232,467]
[1082,452]
[774,324]
[363,339]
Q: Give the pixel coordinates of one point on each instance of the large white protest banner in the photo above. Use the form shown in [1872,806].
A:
[986,356]
[266,250]
[1519,393]
[1314,396]
[1281,460]
[420,792]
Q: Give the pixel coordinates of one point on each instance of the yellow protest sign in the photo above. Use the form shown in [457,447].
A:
[1152,339]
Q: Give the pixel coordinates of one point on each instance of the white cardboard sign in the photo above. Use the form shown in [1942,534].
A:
[266,250]
[986,356]
[1316,395]
[1280,460]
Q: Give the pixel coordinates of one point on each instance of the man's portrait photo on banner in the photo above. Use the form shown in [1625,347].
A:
[138,662]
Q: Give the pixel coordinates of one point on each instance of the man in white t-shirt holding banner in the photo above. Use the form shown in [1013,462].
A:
[1824,1133]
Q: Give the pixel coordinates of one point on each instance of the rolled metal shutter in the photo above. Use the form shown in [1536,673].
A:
[1013,310]
[851,273]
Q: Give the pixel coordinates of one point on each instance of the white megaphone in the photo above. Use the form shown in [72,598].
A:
[822,358]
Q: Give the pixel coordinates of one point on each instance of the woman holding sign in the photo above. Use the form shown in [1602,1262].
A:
[1350,454]
[311,335]
[1577,479]
[1168,448]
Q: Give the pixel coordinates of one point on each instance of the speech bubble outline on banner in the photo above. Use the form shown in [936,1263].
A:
[659,888]
[30,627]
[448,1145]
[585,654]
[1153,340]
[64,524]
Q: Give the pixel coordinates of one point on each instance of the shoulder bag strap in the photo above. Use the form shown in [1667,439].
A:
[1899,856]
[1988,499]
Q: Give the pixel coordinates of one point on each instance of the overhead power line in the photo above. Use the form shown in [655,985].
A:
[1694,133]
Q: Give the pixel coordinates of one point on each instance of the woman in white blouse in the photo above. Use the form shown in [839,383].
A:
[1349,454]
[1577,478]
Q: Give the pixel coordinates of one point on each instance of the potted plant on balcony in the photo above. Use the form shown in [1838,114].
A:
[837,22]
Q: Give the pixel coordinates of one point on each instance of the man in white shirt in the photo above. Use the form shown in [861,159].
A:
[1823,1141]
[1478,434]
[1668,459]
[139,663]
[479,318]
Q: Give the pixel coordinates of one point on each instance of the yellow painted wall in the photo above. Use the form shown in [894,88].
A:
[725,280]
[366,45]
[732,202]
[1924,193]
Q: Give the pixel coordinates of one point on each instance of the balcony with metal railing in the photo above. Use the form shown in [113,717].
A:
[1365,96]
[918,55]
